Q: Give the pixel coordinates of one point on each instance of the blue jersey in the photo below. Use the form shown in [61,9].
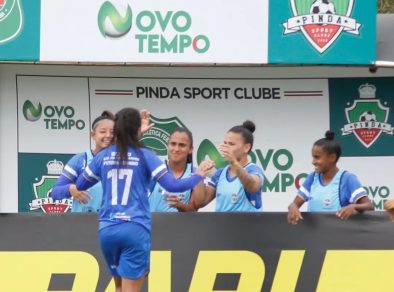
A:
[343,189]
[72,170]
[158,195]
[125,186]
[231,195]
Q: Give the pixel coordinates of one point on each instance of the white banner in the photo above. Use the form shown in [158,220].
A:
[284,111]
[53,114]
[207,31]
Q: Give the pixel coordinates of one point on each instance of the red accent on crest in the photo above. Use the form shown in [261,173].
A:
[52,208]
[2,2]
[321,34]
[367,135]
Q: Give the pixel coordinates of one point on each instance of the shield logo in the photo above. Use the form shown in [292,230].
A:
[322,21]
[43,188]
[11,20]
[367,117]
[157,137]
[41,192]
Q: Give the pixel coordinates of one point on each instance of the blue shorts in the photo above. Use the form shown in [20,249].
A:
[126,249]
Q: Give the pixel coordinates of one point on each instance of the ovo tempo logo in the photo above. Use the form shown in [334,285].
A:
[55,117]
[111,23]
[11,20]
[32,112]
[154,31]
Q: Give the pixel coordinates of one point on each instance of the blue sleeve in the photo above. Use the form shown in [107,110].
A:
[75,166]
[91,174]
[156,167]
[172,184]
[215,178]
[305,189]
[351,189]
[60,189]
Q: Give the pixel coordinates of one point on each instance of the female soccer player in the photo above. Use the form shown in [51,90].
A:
[237,186]
[329,189]
[90,200]
[125,170]
[180,148]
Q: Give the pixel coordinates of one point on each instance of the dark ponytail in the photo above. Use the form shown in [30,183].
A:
[329,144]
[126,130]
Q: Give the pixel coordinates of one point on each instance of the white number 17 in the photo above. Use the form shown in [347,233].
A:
[120,174]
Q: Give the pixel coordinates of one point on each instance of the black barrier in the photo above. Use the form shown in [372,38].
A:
[203,252]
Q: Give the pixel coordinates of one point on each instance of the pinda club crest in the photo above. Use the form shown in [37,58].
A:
[43,187]
[367,117]
[322,21]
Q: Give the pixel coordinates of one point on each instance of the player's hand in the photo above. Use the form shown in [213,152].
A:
[146,125]
[294,214]
[227,153]
[346,212]
[82,197]
[205,167]
[173,200]
[389,207]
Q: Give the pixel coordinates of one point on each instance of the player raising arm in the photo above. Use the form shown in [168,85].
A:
[237,187]
[125,170]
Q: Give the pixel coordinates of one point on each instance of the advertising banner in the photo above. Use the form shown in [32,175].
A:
[203,32]
[322,32]
[207,107]
[55,112]
[239,252]
[290,115]
[155,31]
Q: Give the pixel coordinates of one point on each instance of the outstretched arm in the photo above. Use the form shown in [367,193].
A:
[361,205]
[61,188]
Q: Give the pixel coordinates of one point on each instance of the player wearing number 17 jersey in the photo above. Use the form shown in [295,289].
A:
[125,170]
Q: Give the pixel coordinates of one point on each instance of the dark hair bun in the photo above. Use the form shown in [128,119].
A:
[249,125]
[108,115]
[330,135]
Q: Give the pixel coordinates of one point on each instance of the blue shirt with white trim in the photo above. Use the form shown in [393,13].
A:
[350,189]
[74,167]
[158,195]
[125,186]
[231,195]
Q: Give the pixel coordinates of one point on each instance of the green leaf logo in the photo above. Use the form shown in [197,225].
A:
[111,23]
[32,112]
[207,150]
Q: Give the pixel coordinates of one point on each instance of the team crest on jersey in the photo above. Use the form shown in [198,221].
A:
[11,20]
[367,117]
[43,187]
[322,21]
[157,137]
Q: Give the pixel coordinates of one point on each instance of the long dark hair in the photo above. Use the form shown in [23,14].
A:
[126,130]
[189,134]
[246,130]
[329,144]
